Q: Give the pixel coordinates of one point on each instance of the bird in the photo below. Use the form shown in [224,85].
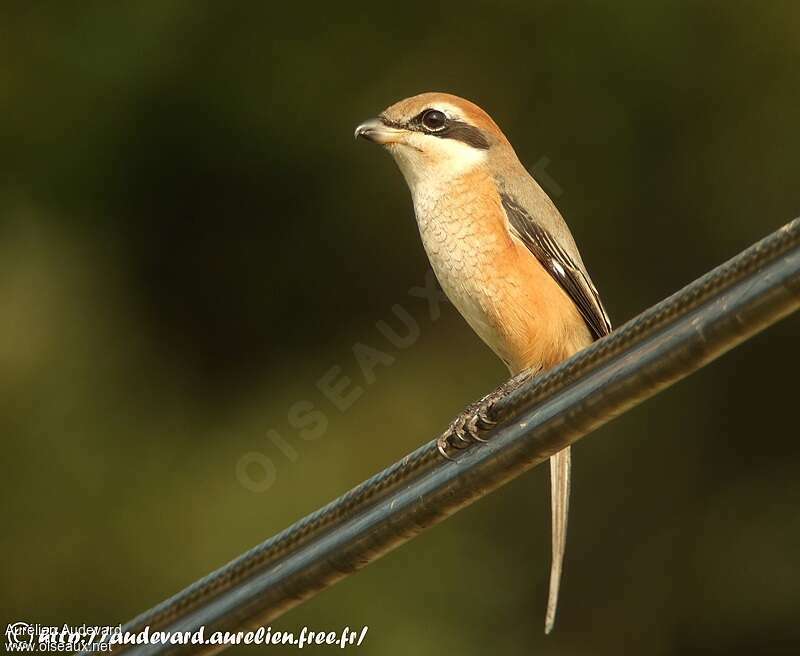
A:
[502,254]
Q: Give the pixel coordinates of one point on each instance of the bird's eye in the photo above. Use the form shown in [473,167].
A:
[433,119]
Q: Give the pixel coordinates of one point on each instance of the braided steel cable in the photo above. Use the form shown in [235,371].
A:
[652,351]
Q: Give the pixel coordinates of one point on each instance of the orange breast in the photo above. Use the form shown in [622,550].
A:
[538,322]
[499,287]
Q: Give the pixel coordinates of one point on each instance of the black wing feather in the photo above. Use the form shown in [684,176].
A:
[560,266]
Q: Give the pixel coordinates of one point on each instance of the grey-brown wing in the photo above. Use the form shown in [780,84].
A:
[566,272]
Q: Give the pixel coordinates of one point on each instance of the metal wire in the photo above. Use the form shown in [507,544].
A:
[652,351]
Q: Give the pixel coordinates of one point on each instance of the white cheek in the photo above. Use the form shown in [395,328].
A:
[455,158]
[428,161]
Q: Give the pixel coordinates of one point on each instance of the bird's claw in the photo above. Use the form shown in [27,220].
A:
[478,417]
[468,426]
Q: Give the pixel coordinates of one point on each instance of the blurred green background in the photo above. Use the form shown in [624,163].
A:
[190,239]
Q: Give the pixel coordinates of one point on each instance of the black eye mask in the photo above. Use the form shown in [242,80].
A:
[452,129]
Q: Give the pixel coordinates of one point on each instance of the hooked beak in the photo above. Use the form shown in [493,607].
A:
[377,131]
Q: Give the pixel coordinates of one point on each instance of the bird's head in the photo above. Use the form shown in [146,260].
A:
[435,135]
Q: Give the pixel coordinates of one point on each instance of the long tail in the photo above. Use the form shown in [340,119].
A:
[560,465]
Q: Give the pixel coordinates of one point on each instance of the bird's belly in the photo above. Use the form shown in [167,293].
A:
[466,265]
[505,295]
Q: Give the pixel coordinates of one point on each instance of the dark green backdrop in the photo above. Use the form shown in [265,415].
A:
[190,239]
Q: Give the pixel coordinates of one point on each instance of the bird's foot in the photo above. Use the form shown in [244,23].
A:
[478,417]
[468,426]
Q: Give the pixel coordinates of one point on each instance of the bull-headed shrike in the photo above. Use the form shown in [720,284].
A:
[502,254]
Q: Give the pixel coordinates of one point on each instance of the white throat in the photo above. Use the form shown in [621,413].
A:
[429,167]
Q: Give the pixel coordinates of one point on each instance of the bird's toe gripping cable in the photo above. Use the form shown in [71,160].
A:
[478,417]
[465,429]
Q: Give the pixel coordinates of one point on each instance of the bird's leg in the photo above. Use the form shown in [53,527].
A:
[477,416]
